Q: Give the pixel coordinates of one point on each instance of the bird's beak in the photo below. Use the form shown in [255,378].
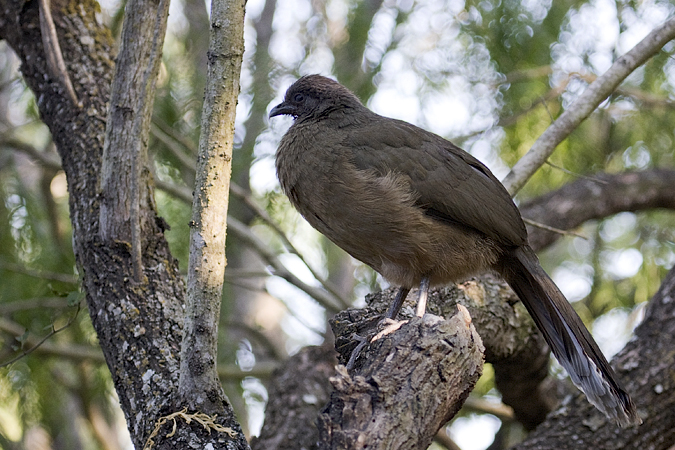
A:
[280,109]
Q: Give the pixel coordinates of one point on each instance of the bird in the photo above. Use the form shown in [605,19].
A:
[423,212]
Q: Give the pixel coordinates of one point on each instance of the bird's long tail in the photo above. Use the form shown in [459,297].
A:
[566,335]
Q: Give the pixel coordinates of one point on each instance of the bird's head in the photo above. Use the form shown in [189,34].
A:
[313,96]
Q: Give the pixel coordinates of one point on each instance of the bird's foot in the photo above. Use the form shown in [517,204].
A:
[389,325]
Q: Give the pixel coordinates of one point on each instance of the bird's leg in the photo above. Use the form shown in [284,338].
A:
[395,307]
[389,320]
[422,300]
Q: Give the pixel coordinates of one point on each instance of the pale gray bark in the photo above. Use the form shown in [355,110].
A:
[199,385]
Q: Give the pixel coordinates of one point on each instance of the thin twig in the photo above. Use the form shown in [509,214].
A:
[232,281]
[326,299]
[527,74]
[72,351]
[171,140]
[186,195]
[75,352]
[232,273]
[257,336]
[47,160]
[169,131]
[443,438]
[553,230]
[577,175]
[267,220]
[513,118]
[182,193]
[499,410]
[174,146]
[42,341]
[542,100]
[33,303]
[646,97]
[291,311]
[10,81]
[260,370]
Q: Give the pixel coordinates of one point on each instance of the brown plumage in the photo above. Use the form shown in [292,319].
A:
[420,210]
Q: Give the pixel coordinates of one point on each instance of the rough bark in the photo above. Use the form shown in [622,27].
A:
[126,198]
[412,382]
[644,367]
[513,345]
[139,326]
[516,350]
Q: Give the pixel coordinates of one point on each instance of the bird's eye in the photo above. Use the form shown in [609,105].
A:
[298,98]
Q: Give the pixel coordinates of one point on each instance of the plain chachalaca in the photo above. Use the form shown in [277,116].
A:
[423,212]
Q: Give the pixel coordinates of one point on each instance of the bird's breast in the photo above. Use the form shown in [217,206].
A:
[374,216]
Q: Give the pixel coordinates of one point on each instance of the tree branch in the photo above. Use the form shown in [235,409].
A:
[124,171]
[512,343]
[73,351]
[37,343]
[78,353]
[33,303]
[297,391]
[199,386]
[42,274]
[139,327]
[47,160]
[329,299]
[50,41]
[586,199]
[583,106]
[436,362]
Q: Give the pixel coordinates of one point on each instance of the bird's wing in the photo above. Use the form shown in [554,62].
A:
[450,185]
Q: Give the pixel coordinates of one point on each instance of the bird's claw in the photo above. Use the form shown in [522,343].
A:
[391,326]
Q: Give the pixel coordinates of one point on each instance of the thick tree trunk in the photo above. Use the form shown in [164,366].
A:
[139,325]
